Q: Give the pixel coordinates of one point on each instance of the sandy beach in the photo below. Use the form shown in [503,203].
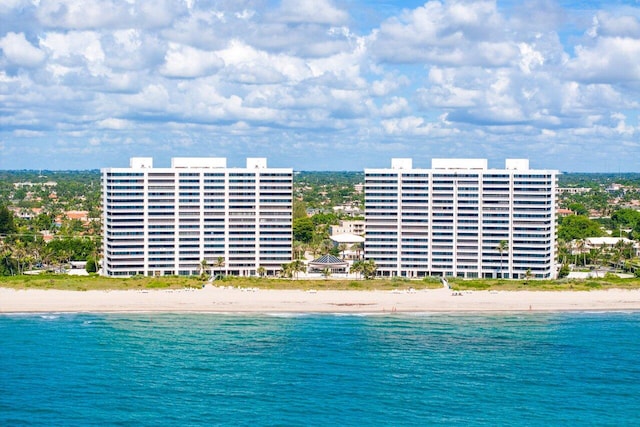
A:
[232,300]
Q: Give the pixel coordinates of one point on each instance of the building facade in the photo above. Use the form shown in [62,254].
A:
[167,221]
[460,218]
[351,227]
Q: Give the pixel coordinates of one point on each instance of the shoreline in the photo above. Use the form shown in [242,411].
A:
[235,300]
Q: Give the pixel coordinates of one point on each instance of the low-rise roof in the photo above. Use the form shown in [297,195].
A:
[328,260]
[347,238]
[606,240]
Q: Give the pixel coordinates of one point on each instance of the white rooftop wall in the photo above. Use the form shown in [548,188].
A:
[517,164]
[198,162]
[141,162]
[256,163]
[459,164]
[401,163]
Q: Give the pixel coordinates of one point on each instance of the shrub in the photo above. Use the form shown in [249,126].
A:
[564,271]
[92,265]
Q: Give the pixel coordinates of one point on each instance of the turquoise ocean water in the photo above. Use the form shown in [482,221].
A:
[422,369]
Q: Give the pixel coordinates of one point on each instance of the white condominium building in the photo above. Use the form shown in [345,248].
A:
[166,221]
[461,219]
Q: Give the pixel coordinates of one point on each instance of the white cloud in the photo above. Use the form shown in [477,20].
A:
[608,25]
[26,133]
[396,107]
[19,51]
[241,56]
[154,97]
[7,6]
[82,14]
[530,58]
[96,14]
[454,33]
[75,49]
[113,123]
[129,39]
[450,77]
[187,62]
[611,59]
[311,11]
[414,126]
[245,14]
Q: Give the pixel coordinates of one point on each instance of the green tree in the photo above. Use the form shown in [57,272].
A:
[325,219]
[43,222]
[7,224]
[303,229]
[578,208]
[627,218]
[299,209]
[578,227]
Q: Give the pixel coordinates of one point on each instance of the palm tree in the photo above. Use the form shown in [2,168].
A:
[342,247]
[618,256]
[20,254]
[262,271]
[527,276]
[563,251]
[358,248]
[326,245]
[287,271]
[369,268]
[219,263]
[326,272]
[6,249]
[298,266]
[204,267]
[298,249]
[596,258]
[315,246]
[502,246]
[357,267]
[580,245]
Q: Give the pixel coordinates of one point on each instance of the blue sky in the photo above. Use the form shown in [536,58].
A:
[319,84]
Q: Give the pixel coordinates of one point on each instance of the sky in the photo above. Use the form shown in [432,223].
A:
[320,84]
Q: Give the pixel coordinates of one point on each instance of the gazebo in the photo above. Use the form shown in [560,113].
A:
[333,263]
